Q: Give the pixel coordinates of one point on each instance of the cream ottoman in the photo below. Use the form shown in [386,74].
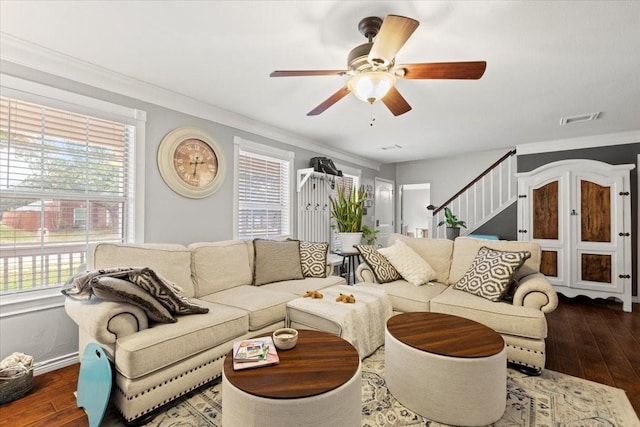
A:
[362,324]
[446,368]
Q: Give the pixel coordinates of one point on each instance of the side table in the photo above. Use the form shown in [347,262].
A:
[352,260]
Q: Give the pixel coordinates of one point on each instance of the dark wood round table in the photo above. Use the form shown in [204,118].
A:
[445,334]
[319,363]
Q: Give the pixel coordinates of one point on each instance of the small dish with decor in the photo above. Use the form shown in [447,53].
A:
[285,338]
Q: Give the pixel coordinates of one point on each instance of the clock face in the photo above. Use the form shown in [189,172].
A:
[191,163]
[195,162]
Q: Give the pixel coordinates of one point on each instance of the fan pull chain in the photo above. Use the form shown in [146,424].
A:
[373,119]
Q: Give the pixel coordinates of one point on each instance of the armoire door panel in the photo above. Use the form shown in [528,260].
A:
[596,268]
[549,263]
[595,212]
[545,212]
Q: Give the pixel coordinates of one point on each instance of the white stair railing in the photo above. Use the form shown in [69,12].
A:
[482,199]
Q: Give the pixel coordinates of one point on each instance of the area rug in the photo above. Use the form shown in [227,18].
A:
[552,399]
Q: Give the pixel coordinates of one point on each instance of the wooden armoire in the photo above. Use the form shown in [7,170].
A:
[580,212]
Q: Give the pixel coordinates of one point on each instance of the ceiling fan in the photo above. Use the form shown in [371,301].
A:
[373,69]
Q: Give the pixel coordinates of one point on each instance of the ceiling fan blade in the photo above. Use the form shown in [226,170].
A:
[293,73]
[396,102]
[444,70]
[393,34]
[329,101]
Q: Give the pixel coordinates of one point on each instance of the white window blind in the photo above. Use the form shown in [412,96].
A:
[65,181]
[263,186]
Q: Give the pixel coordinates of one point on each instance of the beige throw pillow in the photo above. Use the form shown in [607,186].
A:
[411,266]
[275,261]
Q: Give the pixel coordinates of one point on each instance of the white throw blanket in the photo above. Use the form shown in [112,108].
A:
[362,323]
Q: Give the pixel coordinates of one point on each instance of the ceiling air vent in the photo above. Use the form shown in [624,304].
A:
[578,119]
[391,147]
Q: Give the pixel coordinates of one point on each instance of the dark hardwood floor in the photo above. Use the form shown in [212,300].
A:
[589,339]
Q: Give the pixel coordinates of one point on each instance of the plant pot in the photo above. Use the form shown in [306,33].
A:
[453,232]
[348,241]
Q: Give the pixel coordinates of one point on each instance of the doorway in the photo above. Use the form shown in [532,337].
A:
[415,218]
[384,210]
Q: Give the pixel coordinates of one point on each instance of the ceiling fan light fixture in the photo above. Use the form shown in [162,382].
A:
[371,86]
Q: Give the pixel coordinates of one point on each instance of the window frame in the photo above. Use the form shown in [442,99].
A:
[10,86]
[241,144]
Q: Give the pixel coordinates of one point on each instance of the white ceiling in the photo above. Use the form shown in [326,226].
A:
[545,60]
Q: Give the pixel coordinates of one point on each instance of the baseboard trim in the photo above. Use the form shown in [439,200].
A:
[56,363]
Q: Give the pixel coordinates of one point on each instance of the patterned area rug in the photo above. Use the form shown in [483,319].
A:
[552,399]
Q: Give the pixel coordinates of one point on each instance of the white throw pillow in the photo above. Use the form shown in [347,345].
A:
[411,266]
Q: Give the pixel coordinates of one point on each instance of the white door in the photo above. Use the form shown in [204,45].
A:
[384,210]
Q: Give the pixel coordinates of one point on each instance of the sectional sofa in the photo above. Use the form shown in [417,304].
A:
[157,362]
[519,317]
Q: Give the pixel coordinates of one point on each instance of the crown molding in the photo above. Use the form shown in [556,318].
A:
[20,52]
[580,143]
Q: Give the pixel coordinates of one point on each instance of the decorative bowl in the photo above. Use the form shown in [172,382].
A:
[285,338]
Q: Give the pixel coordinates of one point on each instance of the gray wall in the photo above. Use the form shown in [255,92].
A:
[48,334]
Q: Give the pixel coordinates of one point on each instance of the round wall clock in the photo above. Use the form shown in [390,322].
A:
[191,162]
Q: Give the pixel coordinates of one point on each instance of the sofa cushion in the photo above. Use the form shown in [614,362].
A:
[118,290]
[172,261]
[165,292]
[491,273]
[163,345]
[381,267]
[313,257]
[300,287]
[466,248]
[275,261]
[411,266]
[437,252]
[406,297]
[265,306]
[502,317]
[217,266]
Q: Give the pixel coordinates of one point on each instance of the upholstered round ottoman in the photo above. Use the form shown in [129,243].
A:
[446,368]
[317,383]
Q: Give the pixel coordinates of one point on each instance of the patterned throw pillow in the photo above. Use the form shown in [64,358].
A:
[382,269]
[168,294]
[118,290]
[411,266]
[275,261]
[313,257]
[491,273]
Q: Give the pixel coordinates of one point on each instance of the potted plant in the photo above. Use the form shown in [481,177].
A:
[346,210]
[453,224]
[369,235]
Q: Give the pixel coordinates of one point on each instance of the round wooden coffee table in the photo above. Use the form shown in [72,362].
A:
[316,383]
[446,368]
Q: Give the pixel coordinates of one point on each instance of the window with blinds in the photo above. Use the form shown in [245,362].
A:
[65,181]
[263,201]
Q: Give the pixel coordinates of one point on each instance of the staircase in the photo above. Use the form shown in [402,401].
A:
[482,199]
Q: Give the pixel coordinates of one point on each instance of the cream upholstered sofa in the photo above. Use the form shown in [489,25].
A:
[154,362]
[521,322]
